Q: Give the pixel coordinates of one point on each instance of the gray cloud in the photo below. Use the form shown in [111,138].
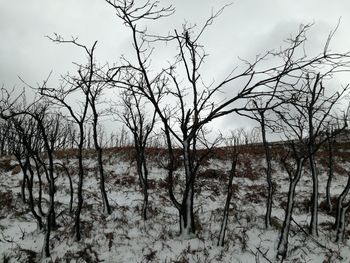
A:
[246,28]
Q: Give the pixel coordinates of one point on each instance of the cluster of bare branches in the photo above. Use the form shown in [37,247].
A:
[35,133]
[292,91]
[53,121]
[290,97]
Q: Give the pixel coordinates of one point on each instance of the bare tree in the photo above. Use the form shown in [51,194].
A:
[341,209]
[294,173]
[94,94]
[294,127]
[30,137]
[5,127]
[233,155]
[316,106]
[135,118]
[47,127]
[259,111]
[330,151]
[71,190]
[333,128]
[303,117]
[77,86]
[18,149]
[194,103]
[23,138]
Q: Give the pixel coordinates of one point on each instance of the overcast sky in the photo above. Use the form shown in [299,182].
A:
[246,28]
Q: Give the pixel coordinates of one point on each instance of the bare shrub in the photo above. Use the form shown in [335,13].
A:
[212,174]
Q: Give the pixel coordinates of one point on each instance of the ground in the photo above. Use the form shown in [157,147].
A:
[124,237]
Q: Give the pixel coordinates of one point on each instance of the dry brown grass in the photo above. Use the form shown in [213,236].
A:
[125,180]
[16,169]
[255,194]
[7,166]
[324,206]
[73,153]
[216,174]
[6,199]
[246,168]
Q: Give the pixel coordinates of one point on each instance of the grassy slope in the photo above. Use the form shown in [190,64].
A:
[124,237]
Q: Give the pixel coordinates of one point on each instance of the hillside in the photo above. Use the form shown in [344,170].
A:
[124,236]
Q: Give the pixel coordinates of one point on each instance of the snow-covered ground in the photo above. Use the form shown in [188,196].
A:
[124,237]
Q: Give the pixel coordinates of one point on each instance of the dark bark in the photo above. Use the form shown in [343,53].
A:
[80,183]
[294,177]
[98,148]
[171,167]
[229,194]
[313,226]
[143,178]
[340,230]
[268,171]
[4,135]
[40,193]
[47,234]
[51,179]
[106,206]
[71,192]
[330,146]
[186,214]
[187,223]
[341,210]
[24,178]
[30,191]
[145,189]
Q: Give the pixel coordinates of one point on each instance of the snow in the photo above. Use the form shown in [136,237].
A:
[124,237]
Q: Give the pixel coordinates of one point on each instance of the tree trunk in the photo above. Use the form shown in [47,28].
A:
[98,148]
[71,192]
[143,176]
[52,189]
[51,215]
[294,179]
[268,174]
[38,172]
[311,152]
[187,225]
[106,206]
[4,135]
[171,168]
[314,199]
[330,172]
[227,204]
[47,236]
[340,231]
[80,191]
[30,191]
[340,202]
[24,179]
[23,188]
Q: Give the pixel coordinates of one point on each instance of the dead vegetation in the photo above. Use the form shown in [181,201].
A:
[245,217]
